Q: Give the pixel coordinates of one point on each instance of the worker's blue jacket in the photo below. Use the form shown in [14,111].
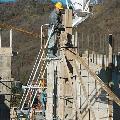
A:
[53,18]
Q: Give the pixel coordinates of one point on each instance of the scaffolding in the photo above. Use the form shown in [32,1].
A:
[75,87]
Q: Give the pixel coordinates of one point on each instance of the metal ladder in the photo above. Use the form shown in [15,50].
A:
[37,74]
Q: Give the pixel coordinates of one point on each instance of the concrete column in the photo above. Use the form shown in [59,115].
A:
[93,57]
[76,39]
[11,38]
[50,83]
[110,102]
[110,48]
[61,92]
[50,87]
[0,38]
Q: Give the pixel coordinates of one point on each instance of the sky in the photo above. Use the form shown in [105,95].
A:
[7,1]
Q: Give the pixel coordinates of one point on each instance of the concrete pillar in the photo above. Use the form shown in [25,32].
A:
[61,92]
[76,39]
[0,38]
[93,57]
[50,81]
[5,86]
[110,102]
[11,38]
[110,48]
[50,86]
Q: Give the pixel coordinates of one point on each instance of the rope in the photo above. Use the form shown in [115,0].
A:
[4,25]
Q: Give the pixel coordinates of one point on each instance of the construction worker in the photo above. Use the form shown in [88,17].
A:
[43,100]
[54,19]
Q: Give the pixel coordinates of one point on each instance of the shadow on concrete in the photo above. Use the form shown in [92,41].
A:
[4,109]
[106,74]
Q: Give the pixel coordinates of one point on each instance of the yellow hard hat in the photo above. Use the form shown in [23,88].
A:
[59,5]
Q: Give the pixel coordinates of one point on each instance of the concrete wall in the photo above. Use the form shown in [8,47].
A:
[5,87]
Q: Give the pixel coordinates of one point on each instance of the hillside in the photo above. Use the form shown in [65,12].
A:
[104,21]
[31,15]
